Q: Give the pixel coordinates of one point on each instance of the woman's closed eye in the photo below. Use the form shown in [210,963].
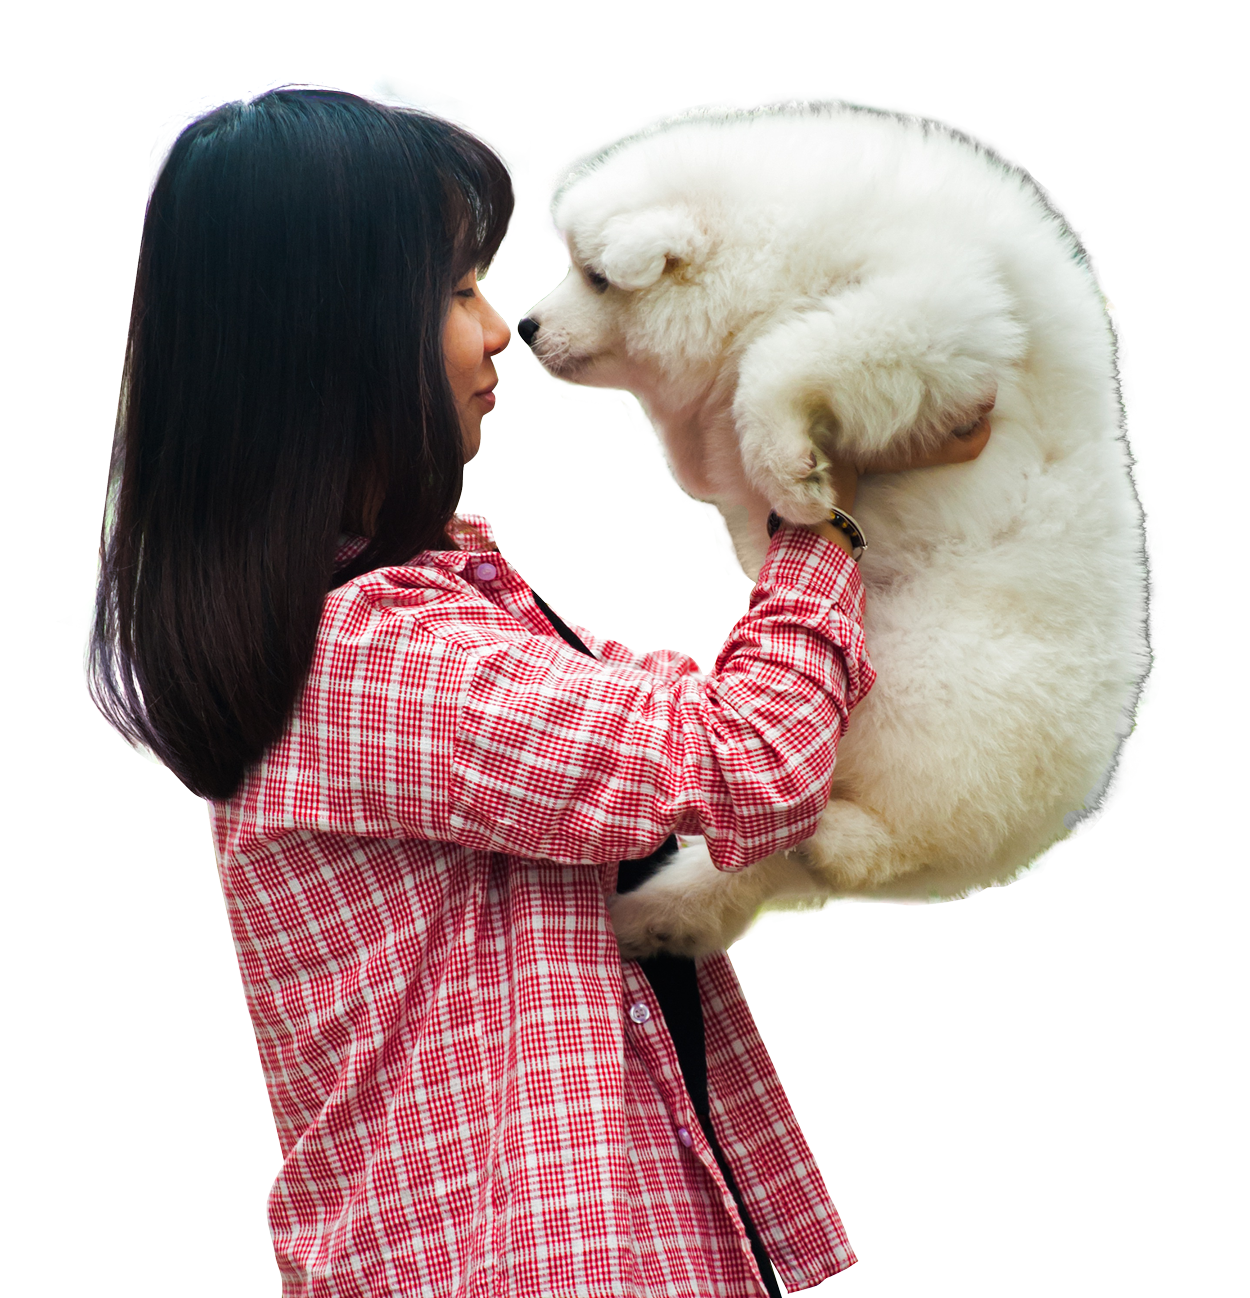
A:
[466,286]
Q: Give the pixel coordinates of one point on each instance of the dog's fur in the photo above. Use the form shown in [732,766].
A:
[777,283]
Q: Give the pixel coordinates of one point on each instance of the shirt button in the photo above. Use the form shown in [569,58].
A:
[639,1013]
[683,1134]
[486,572]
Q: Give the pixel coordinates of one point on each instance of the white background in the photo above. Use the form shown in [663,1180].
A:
[1039,1090]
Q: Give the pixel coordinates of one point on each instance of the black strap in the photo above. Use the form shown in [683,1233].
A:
[675,983]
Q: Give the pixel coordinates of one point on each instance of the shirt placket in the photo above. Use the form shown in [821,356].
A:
[649,1036]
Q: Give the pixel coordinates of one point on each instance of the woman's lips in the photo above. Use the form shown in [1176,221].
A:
[487,397]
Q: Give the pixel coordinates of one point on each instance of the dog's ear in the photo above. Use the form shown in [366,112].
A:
[638,246]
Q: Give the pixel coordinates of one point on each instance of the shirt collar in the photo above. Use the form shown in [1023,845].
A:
[471,532]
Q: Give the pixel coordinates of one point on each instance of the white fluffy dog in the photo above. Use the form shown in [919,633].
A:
[775,284]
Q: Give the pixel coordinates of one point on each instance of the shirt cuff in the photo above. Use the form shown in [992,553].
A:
[801,560]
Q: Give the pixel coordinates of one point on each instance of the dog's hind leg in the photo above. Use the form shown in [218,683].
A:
[852,851]
[691,908]
[909,356]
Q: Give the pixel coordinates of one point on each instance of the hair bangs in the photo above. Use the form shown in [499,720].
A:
[482,208]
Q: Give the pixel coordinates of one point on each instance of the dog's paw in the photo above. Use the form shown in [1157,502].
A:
[650,925]
[784,464]
[687,908]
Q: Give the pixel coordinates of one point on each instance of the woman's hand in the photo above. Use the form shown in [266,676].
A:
[960,447]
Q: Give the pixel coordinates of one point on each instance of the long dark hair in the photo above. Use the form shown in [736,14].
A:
[284,373]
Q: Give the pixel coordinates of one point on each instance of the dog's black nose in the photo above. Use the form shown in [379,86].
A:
[528,329]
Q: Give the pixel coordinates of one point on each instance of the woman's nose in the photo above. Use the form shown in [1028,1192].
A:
[497,335]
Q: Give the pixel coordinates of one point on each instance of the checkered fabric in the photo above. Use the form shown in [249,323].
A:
[474,1094]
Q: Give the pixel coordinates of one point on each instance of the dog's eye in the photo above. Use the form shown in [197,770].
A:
[596,281]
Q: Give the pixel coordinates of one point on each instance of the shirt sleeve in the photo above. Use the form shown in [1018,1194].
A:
[430,714]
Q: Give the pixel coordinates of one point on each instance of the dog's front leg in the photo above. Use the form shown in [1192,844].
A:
[908,357]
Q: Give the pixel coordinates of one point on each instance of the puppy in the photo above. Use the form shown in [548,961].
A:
[778,285]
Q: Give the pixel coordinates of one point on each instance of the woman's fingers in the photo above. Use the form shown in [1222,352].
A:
[965,443]
[962,445]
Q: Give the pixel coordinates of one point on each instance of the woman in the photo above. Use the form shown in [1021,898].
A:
[421,785]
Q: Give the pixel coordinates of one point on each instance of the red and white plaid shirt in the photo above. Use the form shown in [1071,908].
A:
[474,1094]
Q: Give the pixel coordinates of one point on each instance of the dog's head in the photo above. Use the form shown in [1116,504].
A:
[644,304]
[632,302]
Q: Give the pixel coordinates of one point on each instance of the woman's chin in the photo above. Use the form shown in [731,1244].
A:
[472,438]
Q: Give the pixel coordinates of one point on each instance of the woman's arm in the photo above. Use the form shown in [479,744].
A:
[431,713]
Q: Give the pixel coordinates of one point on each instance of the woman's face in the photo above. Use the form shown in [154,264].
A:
[473,334]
